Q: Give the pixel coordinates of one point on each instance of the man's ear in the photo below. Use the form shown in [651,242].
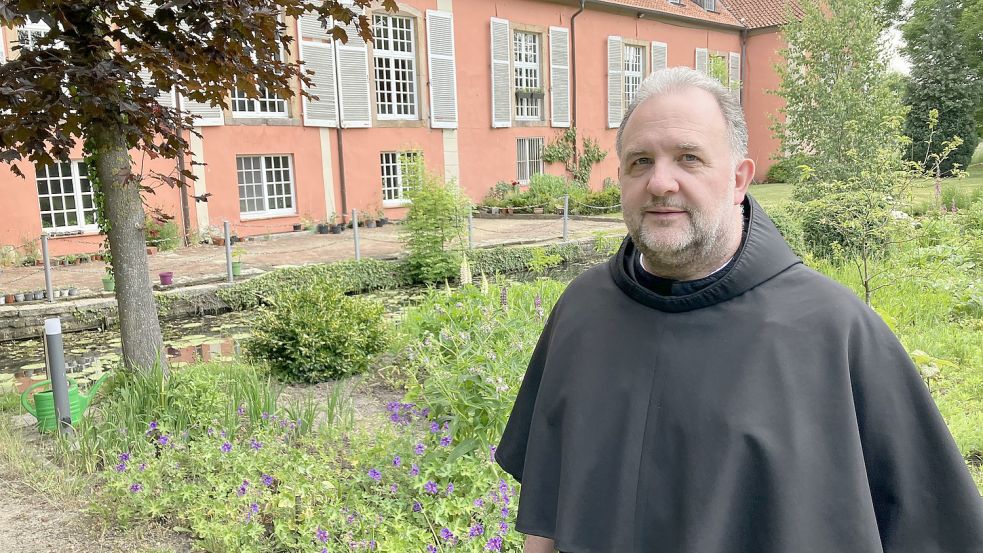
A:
[743,174]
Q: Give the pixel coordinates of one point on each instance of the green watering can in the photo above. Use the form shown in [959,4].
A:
[44,403]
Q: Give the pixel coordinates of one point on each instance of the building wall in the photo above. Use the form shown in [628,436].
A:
[759,106]
[477,154]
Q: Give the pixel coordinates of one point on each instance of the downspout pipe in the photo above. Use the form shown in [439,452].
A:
[573,64]
[744,35]
[341,172]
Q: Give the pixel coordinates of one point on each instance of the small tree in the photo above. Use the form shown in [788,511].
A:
[834,73]
[942,79]
[579,163]
[435,226]
[84,80]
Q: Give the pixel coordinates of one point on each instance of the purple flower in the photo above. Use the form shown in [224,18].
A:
[503,527]
[503,487]
[253,508]
[163,440]
[414,470]
[255,444]
[446,534]
[397,461]
[425,412]
[445,441]
[267,480]
[494,544]
[431,548]
[371,545]
[142,467]
[124,457]
[417,507]
[153,426]
[505,512]
[134,488]
[375,475]
[479,503]
[322,535]
[242,488]
[121,467]
[430,487]
[434,427]
[476,530]
[450,488]
[241,410]
[393,488]
[419,449]
[264,415]
[394,417]
[491,453]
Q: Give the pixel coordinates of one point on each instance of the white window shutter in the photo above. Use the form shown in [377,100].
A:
[165,99]
[560,76]
[660,56]
[735,71]
[353,75]
[443,70]
[311,29]
[703,61]
[501,73]
[206,115]
[319,57]
[616,66]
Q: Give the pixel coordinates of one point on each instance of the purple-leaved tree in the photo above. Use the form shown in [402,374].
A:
[95,77]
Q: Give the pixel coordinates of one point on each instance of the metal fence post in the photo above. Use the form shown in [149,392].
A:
[566,216]
[358,252]
[48,286]
[470,228]
[228,251]
[56,372]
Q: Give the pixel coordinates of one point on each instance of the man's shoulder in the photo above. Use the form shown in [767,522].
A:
[805,292]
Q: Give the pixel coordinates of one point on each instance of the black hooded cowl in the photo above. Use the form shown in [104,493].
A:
[770,412]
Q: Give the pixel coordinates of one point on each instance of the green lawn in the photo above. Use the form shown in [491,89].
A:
[769,194]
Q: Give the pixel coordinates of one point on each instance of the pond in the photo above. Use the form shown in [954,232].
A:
[89,354]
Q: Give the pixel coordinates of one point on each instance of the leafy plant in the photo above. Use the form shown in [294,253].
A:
[317,333]
[563,149]
[161,233]
[434,227]
[542,261]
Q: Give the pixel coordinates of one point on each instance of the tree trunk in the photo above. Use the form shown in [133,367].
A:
[143,344]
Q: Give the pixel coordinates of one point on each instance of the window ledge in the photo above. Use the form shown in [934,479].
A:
[265,120]
[396,203]
[71,233]
[266,216]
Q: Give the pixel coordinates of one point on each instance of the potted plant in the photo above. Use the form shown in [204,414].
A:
[370,218]
[298,227]
[166,278]
[56,293]
[529,94]
[237,253]
[218,240]
[10,298]
[323,228]
[380,216]
[19,297]
[3,300]
[108,281]
[73,290]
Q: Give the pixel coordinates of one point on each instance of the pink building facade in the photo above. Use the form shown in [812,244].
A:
[475,87]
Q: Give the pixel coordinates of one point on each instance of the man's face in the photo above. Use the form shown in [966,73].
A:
[679,183]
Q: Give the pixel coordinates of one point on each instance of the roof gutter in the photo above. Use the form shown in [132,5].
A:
[694,21]
[573,64]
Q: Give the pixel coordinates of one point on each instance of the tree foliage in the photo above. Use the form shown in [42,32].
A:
[81,82]
[837,88]
[943,79]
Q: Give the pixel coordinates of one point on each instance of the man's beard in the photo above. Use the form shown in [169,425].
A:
[702,241]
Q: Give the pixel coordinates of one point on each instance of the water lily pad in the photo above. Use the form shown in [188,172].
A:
[241,336]
[33,366]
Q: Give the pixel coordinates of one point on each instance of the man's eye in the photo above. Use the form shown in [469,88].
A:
[690,158]
[642,161]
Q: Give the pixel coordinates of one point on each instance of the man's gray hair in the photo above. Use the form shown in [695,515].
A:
[677,79]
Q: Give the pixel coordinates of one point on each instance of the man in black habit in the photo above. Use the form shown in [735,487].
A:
[706,392]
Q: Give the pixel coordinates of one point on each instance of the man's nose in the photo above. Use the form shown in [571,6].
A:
[662,181]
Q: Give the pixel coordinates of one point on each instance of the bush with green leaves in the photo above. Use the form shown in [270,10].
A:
[491,261]
[595,202]
[469,350]
[350,276]
[163,234]
[434,230]
[788,217]
[317,333]
[786,169]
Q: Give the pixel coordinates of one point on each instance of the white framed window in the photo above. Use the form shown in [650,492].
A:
[526,54]
[634,71]
[30,33]
[266,186]
[394,59]
[396,176]
[65,198]
[529,158]
[267,104]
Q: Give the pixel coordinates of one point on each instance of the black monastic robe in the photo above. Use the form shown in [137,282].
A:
[769,412]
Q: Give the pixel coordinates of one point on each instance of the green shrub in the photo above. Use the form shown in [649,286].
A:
[785,169]
[605,200]
[317,333]
[512,260]
[350,276]
[162,233]
[470,350]
[788,218]
[434,227]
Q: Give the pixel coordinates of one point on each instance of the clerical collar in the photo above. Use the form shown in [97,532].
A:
[669,287]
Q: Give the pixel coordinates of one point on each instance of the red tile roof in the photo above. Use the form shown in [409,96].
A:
[688,8]
[762,13]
